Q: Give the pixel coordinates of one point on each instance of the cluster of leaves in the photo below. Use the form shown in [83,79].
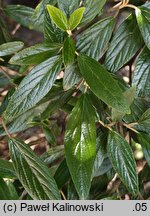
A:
[102,109]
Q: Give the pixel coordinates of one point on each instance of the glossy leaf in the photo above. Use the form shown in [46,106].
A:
[33,174]
[39,14]
[33,87]
[143,20]
[68,6]
[144,140]
[80,145]
[144,122]
[138,107]
[94,40]
[129,94]
[23,121]
[92,8]
[10,48]
[102,84]
[51,32]
[6,169]
[21,14]
[35,54]
[75,18]
[122,159]
[141,77]
[68,51]
[71,77]
[124,44]
[58,17]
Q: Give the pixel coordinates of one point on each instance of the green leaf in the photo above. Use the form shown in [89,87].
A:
[58,101]
[35,54]
[80,145]
[144,122]
[21,14]
[71,77]
[10,48]
[33,87]
[68,6]
[141,77]
[94,40]
[39,14]
[129,94]
[68,51]
[58,17]
[5,35]
[102,84]
[5,192]
[23,121]
[138,107]
[62,174]
[75,18]
[122,159]
[33,174]
[92,9]
[101,153]
[144,140]
[6,100]
[49,135]
[6,169]
[124,44]
[143,20]
[51,32]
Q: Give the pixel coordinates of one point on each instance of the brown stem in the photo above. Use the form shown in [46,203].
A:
[5,128]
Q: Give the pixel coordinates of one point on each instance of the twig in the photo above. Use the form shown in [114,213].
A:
[63,195]
[5,128]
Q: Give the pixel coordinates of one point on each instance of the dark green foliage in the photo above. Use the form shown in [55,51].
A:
[69,86]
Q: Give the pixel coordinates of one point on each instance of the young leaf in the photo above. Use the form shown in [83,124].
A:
[68,51]
[33,87]
[35,54]
[75,18]
[124,44]
[33,174]
[68,6]
[10,48]
[141,76]
[94,41]
[144,140]
[143,19]
[122,159]
[102,84]
[58,17]
[80,145]
[51,32]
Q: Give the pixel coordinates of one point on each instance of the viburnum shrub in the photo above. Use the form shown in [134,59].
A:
[77,69]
